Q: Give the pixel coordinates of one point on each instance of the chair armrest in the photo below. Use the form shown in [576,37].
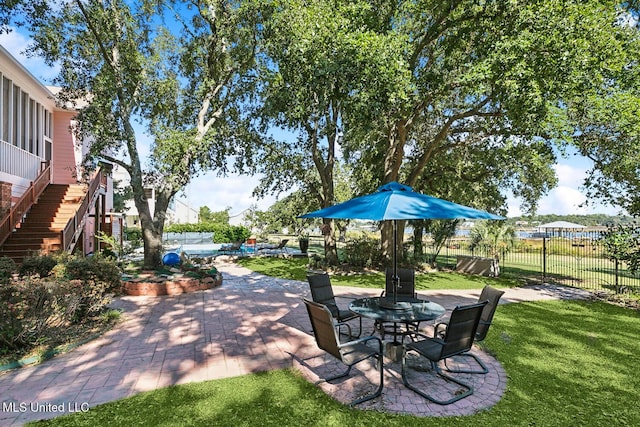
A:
[436,328]
[345,297]
[415,334]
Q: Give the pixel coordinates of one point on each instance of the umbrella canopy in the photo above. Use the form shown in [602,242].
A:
[396,201]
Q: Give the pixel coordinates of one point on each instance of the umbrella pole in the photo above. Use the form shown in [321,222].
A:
[395,279]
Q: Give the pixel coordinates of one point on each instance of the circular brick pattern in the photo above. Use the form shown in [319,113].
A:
[396,398]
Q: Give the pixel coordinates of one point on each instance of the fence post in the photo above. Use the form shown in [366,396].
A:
[544,258]
[617,272]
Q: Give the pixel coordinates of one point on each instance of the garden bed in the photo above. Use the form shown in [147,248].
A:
[151,284]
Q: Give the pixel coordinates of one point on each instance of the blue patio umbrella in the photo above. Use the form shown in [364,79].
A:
[395,201]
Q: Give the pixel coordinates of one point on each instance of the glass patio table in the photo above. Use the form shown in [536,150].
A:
[407,310]
[413,309]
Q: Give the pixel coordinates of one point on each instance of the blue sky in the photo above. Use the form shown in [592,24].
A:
[234,191]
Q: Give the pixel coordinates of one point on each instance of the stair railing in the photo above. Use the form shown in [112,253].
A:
[74,227]
[22,206]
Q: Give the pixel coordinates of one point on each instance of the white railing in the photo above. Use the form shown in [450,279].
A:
[16,161]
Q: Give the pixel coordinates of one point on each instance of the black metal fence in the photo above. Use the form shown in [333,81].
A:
[574,259]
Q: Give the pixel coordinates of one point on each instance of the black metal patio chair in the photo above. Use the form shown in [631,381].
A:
[457,339]
[406,289]
[492,296]
[322,292]
[350,353]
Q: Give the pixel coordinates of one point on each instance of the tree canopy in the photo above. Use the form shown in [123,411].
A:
[465,100]
[182,71]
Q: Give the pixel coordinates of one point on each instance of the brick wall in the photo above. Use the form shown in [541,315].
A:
[5,198]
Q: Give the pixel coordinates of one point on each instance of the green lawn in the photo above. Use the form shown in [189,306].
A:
[297,269]
[568,364]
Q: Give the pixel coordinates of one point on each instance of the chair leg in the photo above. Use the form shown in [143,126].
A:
[378,391]
[335,377]
[483,367]
[438,371]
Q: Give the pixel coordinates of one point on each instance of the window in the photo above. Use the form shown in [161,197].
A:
[16,116]
[24,122]
[5,109]
[48,124]
[26,131]
[32,127]
[39,129]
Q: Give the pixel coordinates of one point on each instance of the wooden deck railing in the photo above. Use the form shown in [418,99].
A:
[22,206]
[74,227]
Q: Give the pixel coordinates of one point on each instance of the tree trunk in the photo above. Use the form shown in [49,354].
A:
[152,227]
[392,162]
[386,235]
[330,248]
[152,249]
[418,233]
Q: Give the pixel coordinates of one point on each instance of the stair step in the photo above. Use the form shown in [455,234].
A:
[40,231]
[25,251]
[43,226]
[31,247]
[29,234]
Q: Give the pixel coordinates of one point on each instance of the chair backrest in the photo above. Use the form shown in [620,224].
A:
[322,292]
[323,328]
[283,243]
[461,330]
[407,285]
[492,295]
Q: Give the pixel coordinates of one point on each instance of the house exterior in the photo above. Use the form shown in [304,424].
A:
[35,134]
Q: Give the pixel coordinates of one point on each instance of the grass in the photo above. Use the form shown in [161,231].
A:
[296,269]
[589,271]
[568,363]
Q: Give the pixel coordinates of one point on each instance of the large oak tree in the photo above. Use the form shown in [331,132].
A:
[485,81]
[179,69]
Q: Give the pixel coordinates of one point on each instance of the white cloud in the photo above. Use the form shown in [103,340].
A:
[569,175]
[218,193]
[16,44]
[567,198]
[563,200]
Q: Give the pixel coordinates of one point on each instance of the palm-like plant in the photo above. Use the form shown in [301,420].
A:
[493,237]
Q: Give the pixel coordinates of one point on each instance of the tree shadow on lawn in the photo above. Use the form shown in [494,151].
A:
[556,350]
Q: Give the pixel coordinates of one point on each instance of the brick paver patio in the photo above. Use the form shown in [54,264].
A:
[251,323]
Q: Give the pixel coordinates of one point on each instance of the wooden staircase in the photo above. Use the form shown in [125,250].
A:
[41,229]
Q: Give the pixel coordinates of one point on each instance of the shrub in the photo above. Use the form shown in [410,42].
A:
[7,269]
[38,264]
[363,251]
[103,272]
[230,233]
[77,289]
[132,233]
[29,307]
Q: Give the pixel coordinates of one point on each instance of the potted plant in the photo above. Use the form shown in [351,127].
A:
[303,242]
